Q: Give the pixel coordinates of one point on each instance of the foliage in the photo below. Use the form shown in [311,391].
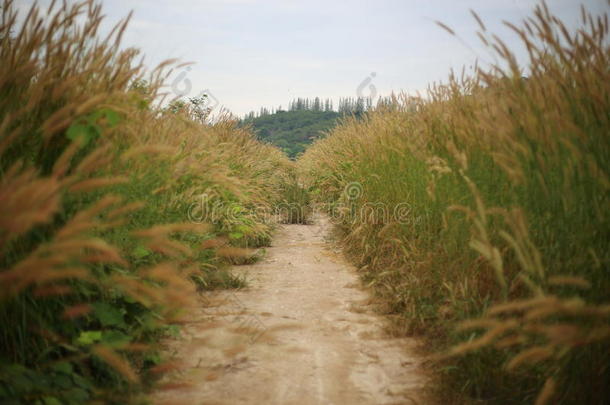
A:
[114,211]
[306,120]
[504,184]
[292,131]
[295,206]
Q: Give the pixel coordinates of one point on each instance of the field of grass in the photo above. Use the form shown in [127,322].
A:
[480,216]
[114,210]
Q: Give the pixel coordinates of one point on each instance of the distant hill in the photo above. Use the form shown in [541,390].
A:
[305,120]
[293,131]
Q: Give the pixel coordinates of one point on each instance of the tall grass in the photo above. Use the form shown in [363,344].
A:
[499,253]
[113,210]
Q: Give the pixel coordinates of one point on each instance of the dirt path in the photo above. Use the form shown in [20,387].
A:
[302,333]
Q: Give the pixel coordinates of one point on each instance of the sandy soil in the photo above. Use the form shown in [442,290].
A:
[302,333]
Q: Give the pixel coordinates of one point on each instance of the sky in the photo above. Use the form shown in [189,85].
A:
[253,53]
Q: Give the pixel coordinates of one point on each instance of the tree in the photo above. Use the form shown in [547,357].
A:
[197,108]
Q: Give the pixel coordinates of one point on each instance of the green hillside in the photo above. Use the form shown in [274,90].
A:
[293,131]
[305,120]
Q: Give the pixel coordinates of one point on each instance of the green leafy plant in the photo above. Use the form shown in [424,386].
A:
[98,253]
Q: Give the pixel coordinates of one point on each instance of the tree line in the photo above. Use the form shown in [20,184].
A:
[346,106]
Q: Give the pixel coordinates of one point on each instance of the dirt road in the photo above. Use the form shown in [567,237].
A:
[301,333]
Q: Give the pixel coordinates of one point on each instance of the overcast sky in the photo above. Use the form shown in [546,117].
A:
[253,53]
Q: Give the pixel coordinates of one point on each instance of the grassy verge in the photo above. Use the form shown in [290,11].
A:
[479,214]
[113,210]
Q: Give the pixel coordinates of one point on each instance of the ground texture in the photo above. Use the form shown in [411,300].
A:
[303,332]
